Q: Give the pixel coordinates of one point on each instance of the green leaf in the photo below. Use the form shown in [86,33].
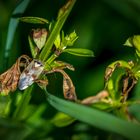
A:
[95,117]
[57,41]
[34,20]
[69,39]
[20,8]
[102,106]
[32,47]
[119,63]
[129,42]
[134,41]
[21,108]
[80,52]
[61,120]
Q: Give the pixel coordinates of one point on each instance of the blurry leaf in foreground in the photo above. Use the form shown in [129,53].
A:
[10,129]
[5,102]
[95,117]
[80,52]
[61,120]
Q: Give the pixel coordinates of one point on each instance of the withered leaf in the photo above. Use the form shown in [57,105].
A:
[96,98]
[10,78]
[39,37]
[68,87]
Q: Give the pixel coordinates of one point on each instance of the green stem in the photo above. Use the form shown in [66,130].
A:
[18,114]
[62,16]
[50,60]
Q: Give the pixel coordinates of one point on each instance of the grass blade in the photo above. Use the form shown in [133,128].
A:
[96,118]
[18,114]
[20,8]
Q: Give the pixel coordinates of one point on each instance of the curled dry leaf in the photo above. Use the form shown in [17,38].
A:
[10,78]
[128,84]
[108,73]
[68,87]
[62,65]
[93,99]
[42,83]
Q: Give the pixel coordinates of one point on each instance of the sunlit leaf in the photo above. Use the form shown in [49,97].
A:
[102,106]
[80,52]
[129,42]
[32,47]
[69,40]
[57,41]
[134,41]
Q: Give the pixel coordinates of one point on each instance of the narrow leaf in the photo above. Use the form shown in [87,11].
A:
[34,20]
[32,47]
[95,117]
[20,110]
[80,52]
[20,8]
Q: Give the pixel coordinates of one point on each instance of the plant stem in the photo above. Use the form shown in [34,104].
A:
[18,114]
[62,16]
[50,60]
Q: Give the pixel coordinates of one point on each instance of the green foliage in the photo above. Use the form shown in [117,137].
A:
[56,29]
[99,112]
[80,52]
[134,42]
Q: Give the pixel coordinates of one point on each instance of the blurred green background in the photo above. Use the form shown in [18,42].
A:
[102,26]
